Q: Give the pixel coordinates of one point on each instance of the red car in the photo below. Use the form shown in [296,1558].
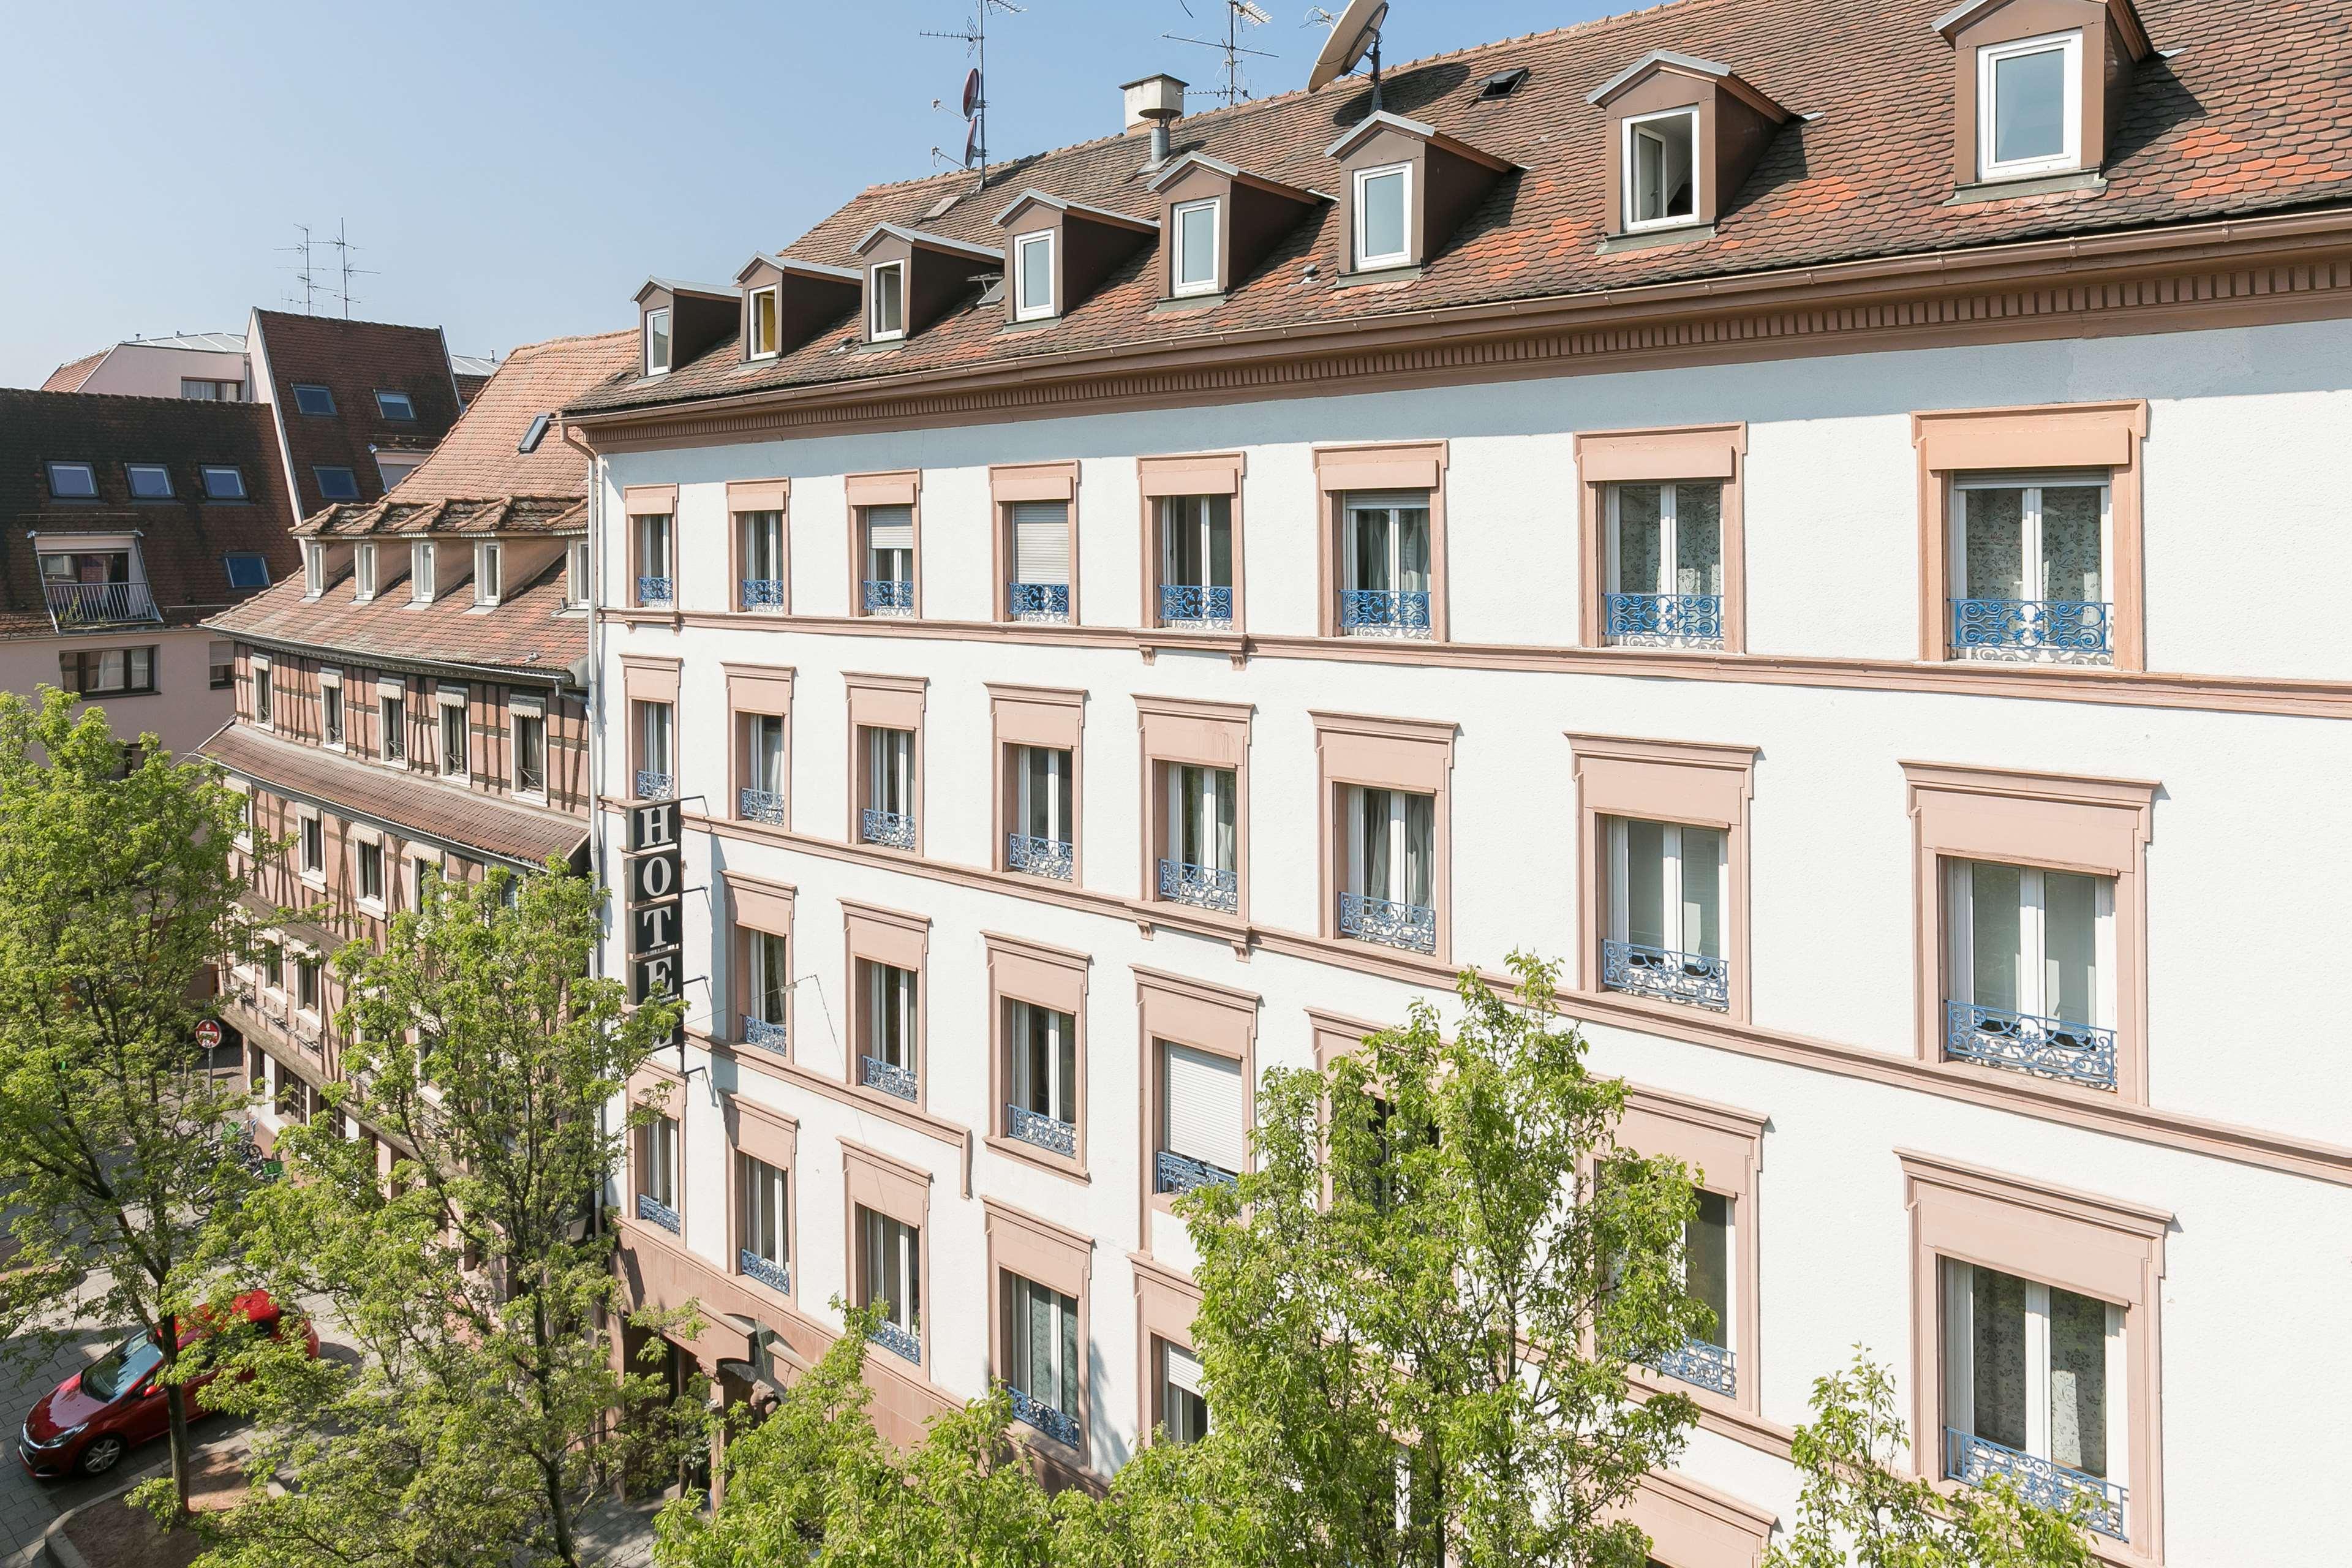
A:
[90,1421]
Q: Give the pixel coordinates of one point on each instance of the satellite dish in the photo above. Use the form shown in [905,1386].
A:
[1356,34]
[971,143]
[970,92]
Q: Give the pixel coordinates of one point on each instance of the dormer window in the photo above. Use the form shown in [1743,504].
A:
[1032,277]
[760,340]
[486,574]
[1194,254]
[314,570]
[420,572]
[1661,171]
[2029,107]
[363,572]
[656,342]
[1383,197]
[886,295]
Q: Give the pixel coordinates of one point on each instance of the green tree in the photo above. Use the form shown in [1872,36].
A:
[117,1144]
[482,1409]
[1862,1504]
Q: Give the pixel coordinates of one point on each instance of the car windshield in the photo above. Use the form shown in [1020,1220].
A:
[121,1367]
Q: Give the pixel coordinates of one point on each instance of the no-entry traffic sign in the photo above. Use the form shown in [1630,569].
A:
[208,1034]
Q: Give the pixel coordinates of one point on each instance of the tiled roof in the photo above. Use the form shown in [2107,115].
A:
[408,803]
[2241,111]
[183,541]
[353,360]
[69,377]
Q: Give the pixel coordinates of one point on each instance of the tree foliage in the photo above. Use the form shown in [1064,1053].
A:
[117,1145]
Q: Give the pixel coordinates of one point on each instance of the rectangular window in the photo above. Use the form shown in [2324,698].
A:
[575,574]
[223,660]
[223,482]
[1196,563]
[1390,896]
[314,570]
[890,1278]
[336,483]
[1042,1052]
[264,694]
[1665,913]
[763,797]
[2029,970]
[888,817]
[314,847]
[363,571]
[1043,841]
[422,875]
[392,726]
[486,578]
[760,557]
[762,305]
[764,1246]
[2029,107]
[313,399]
[655,779]
[392,470]
[529,742]
[889,560]
[1194,254]
[1033,274]
[769,989]
[330,714]
[204,390]
[1708,1253]
[1383,198]
[656,585]
[72,481]
[394,405]
[1040,1357]
[306,983]
[247,571]
[1040,589]
[455,761]
[1204,1119]
[1384,564]
[1201,863]
[371,868]
[420,572]
[2032,556]
[887,1017]
[1665,565]
[656,342]
[149,481]
[886,294]
[273,967]
[657,1166]
[1183,1409]
[1661,173]
[107,672]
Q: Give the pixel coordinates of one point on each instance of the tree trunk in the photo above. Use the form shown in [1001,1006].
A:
[176,1401]
[559,1514]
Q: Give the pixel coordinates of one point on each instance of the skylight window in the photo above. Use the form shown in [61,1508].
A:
[223,482]
[394,405]
[247,570]
[2029,100]
[72,481]
[1195,255]
[531,438]
[656,342]
[1661,174]
[1502,84]
[336,484]
[886,297]
[1032,269]
[310,399]
[149,481]
[762,325]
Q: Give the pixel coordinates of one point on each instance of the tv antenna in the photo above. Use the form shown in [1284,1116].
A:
[1354,34]
[974,38]
[1239,13]
[306,271]
[344,248]
[302,272]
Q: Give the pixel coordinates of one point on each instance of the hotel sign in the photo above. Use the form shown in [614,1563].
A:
[652,880]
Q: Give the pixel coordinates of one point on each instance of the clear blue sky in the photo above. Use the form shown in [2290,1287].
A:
[514,170]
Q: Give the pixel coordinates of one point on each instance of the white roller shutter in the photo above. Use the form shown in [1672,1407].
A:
[1183,1368]
[1383,501]
[1041,541]
[890,528]
[1207,1116]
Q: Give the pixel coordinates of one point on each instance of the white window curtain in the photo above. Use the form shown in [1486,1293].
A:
[1045,1050]
[763,546]
[2031,537]
[1205,1111]
[1666,539]
[890,771]
[1666,886]
[890,543]
[653,546]
[1387,546]
[890,998]
[893,1269]
[1042,1343]
[1041,541]
[1042,778]
[661,1161]
[770,978]
[764,758]
[2035,1368]
[1391,844]
[1201,816]
[1196,542]
[654,736]
[2032,942]
[763,1209]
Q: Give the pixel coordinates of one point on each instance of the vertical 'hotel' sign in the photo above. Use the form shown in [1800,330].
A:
[655,913]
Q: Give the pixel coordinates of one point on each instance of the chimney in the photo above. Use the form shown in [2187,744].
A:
[1154,101]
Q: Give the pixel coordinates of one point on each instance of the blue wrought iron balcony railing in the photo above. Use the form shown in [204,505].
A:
[760,1032]
[1665,620]
[73,605]
[887,1077]
[1051,857]
[898,1342]
[1197,607]
[764,592]
[1975,1460]
[653,1211]
[1383,613]
[776,1277]
[1175,1172]
[1050,1419]
[1391,924]
[2062,629]
[652,785]
[1702,1365]
[655,590]
[889,599]
[1691,978]
[1044,1131]
[1204,886]
[1038,601]
[2046,1047]
[761,805]
[894,828]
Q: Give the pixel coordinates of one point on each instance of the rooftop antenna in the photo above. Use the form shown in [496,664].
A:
[1238,14]
[302,273]
[344,248]
[1354,34]
[974,38]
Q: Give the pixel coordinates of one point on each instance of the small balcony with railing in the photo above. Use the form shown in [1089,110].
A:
[655,592]
[653,1211]
[775,1276]
[90,606]
[2033,631]
[1973,1460]
[1384,613]
[1203,887]
[1702,1364]
[1046,602]
[888,1078]
[1173,1173]
[1388,921]
[1662,974]
[1040,1130]
[2024,1042]
[1665,620]
[766,1033]
[903,1342]
[653,784]
[1033,856]
[891,829]
[1196,607]
[885,596]
[761,593]
[1050,1419]
[761,805]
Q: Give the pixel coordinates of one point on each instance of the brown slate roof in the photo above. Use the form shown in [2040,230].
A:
[185,540]
[69,377]
[409,803]
[527,633]
[352,360]
[2242,112]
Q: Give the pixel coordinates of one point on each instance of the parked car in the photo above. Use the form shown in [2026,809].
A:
[88,1422]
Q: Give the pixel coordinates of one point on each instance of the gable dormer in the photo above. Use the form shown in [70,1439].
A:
[1404,189]
[1057,253]
[677,322]
[1218,222]
[788,301]
[913,279]
[1683,134]
[2038,88]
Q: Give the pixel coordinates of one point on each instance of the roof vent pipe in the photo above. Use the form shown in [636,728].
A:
[1154,101]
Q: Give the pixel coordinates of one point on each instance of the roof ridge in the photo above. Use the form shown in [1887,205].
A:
[133,397]
[346,321]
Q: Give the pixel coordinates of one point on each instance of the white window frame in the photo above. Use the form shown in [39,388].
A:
[309,869]
[391,728]
[314,569]
[1024,309]
[893,1014]
[875,331]
[2033,998]
[374,900]
[1060,1030]
[656,330]
[130,472]
[876,1229]
[420,572]
[516,719]
[660,1172]
[766,1205]
[1957,1357]
[1365,260]
[407,404]
[1184,1379]
[490,578]
[2032,566]
[751,323]
[1671,889]
[1178,284]
[89,477]
[1631,191]
[335,713]
[761,984]
[890,770]
[1069,1345]
[363,572]
[1193,815]
[236,490]
[464,772]
[575,574]
[2069,157]
[1054,801]
[1359,802]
